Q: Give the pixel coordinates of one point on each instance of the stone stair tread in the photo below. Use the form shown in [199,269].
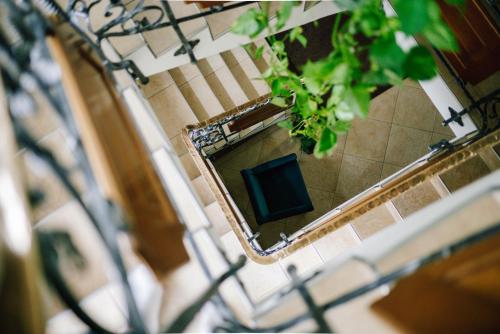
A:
[203,190]
[196,91]
[157,83]
[373,221]
[218,219]
[465,173]
[263,62]
[335,243]
[416,198]
[245,72]
[259,280]
[172,110]
[222,82]
[202,100]
[189,165]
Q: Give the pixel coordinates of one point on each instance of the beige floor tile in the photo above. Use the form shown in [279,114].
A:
[201,99]
[190,166]
[465,173]
[388,170]
[245,155]
[416,198]
[356,175]
[335,243]
[236,186]
[373,221]
[411,83]
[406,145]
[218,219]
[306,260]
[276,145]
[270,232]
[321,200]
[203,190]
[172,110]
[437,137]
[382,107]
[321,174]
[368,139]
[157,83]
[414,109]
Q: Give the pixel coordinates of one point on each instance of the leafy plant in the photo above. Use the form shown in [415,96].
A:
[330,92]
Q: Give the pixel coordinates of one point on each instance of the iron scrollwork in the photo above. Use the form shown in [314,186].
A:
[214,132]
[126,18]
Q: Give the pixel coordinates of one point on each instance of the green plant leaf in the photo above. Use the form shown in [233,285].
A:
[286,124]
[343,112]
[302,40]
[340,73]
[297,31]
[283,14]
[441,36]
[258,52]
[420,64]
[313,85]
[279,86]
[279,101]
[358,100]
[413,15]
[386,53]
[326,143]
[249,23]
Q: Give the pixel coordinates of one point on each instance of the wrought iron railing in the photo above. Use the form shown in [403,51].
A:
[27,66]
[130,20]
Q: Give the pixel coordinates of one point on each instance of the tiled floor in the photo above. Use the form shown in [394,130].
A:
[402,123]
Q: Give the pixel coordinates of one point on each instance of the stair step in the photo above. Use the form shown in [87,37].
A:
[162,40]
[263,62]
[259,280]
[416,198]
[306,260]
[172,110]
[203,190]
[222,82]
[245,72]
[218,218]
[197,92]
[189,166]
[465,173]
[335,243]
[157,83]
[374,221]
[490,158]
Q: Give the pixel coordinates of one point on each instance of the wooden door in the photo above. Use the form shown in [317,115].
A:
[478,36]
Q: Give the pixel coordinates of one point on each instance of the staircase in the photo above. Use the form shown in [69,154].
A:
[194,93]
[221,82]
